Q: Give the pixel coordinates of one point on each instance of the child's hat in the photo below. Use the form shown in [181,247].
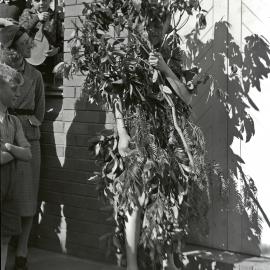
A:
[10,75]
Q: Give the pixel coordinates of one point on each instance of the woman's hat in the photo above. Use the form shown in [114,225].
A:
[9,34]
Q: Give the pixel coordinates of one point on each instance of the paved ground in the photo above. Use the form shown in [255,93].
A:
[197,258]
[46,260]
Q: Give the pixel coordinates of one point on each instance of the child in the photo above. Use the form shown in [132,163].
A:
[42,16]
[14,146]
[30,109]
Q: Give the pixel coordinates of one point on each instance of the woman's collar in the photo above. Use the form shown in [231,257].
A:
[22,67]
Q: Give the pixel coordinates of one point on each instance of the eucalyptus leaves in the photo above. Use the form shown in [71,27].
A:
[155,159]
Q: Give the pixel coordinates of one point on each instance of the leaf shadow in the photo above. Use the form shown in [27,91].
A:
[222,109]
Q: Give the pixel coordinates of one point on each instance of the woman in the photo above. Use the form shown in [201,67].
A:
[29,108]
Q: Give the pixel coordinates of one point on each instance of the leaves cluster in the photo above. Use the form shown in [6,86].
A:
[111,48]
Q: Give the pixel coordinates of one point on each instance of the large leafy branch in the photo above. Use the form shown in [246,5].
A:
[156,152]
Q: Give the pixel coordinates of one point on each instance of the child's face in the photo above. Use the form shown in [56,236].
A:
[8,94]
[41,5]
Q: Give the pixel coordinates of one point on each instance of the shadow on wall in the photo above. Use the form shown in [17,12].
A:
[87,221]
[221,109]
[70,219]
[47,220]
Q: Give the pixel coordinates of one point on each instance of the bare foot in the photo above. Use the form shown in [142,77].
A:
[133,268]
[171,267]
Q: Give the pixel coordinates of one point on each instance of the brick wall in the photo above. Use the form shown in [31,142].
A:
[70,219]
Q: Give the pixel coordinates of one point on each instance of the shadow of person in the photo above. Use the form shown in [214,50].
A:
[48,218]
[221,109]
[85,222]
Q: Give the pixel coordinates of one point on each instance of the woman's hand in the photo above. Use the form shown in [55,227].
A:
[156,60]
[52,52]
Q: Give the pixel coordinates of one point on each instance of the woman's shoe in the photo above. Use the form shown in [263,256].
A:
[20,263]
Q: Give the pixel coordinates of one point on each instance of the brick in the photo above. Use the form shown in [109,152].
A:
[53,115]
[70,200]
[68,34]
[70,2]
[69,92]
[73,10]
[77,152]
[81,214]
[70,188]
[86,1]
[47,243]
[71,139]
[77,140]
[64,174]
[52,126]
[75,80]
[84,239]
[44,242]
[96,117]
[50,162]
[53,108]
[88,129]
[52,150]
[80,104]
[69,103]
[80,226]
[69,22]
[66,47]
[53,138]
[68,115]
[67,58]
[84,165]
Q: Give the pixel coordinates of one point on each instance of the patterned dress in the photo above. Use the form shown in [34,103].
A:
[30,108]
[10,132]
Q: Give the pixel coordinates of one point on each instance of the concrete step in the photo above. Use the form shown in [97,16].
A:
[196,258]
[200,258]
[40,259]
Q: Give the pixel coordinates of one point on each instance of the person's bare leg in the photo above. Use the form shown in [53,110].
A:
[22,247]
[4,250]
[132,238]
